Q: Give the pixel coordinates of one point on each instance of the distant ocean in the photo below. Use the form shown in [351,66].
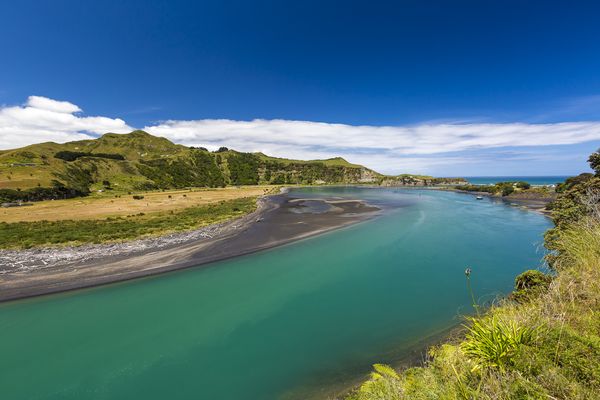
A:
[533,180]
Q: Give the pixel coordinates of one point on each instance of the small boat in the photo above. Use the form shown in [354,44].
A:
[479,197]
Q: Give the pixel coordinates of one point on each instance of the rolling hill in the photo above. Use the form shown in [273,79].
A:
[138,161]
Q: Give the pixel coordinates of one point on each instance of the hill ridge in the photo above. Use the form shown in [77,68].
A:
[138,161]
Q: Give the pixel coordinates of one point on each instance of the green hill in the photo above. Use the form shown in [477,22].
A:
[336,161]
[139,161]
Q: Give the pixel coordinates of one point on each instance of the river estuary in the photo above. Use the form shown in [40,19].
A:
[294,322]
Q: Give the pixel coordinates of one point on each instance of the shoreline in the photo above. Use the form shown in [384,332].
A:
[409,355]
[278,220]
[271,209]
[531,204]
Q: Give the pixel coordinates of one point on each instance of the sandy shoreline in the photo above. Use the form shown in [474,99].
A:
[278,220]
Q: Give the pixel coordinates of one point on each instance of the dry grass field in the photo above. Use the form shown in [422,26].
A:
[100,206]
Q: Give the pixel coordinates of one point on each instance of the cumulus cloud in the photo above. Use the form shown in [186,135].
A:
[401,140]
[42,119]
[389,148]
[44,103]
[427,147]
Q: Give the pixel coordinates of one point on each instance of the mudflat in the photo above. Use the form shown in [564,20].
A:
[279,219]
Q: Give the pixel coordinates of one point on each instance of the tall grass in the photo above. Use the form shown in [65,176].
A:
[384,383]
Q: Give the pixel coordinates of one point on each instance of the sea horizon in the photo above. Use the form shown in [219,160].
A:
[536,180]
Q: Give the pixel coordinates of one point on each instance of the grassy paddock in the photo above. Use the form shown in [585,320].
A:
[115,204]
[543,346]
[20,235]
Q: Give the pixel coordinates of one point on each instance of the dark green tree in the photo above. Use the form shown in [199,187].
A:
[594,161]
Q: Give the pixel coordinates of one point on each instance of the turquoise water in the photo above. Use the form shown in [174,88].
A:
[533,180]
[289,322]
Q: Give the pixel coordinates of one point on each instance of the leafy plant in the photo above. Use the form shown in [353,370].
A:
[494,343]
[384,384]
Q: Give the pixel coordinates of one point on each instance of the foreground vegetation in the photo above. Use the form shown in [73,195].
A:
[20,235]
[543,342]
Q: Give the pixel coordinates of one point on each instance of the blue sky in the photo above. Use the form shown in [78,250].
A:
[401,86]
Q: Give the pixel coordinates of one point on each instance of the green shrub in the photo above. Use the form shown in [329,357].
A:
[505,188]
[243,168]
[199,170]
[530,284]
[477,188]
[58,191]
[493,342]
[78,177]
[74,155]
[384,383]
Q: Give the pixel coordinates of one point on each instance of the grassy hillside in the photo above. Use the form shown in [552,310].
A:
[543,342]
[138,161]
[418,180]
[38,165]
[336,161]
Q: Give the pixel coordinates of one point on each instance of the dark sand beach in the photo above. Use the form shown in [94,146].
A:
[278,219]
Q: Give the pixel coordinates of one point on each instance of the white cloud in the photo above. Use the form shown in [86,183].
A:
[387,148]
[44,103]
[403,140]
[421,148]
[42,119]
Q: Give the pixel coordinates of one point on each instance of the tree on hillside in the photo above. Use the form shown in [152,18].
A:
[594,161]
[523,185]
[505,188]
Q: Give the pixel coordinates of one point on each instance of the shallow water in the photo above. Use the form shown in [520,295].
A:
[289,322]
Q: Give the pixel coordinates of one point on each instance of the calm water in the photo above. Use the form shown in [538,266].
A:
[533,180]
[284,323]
